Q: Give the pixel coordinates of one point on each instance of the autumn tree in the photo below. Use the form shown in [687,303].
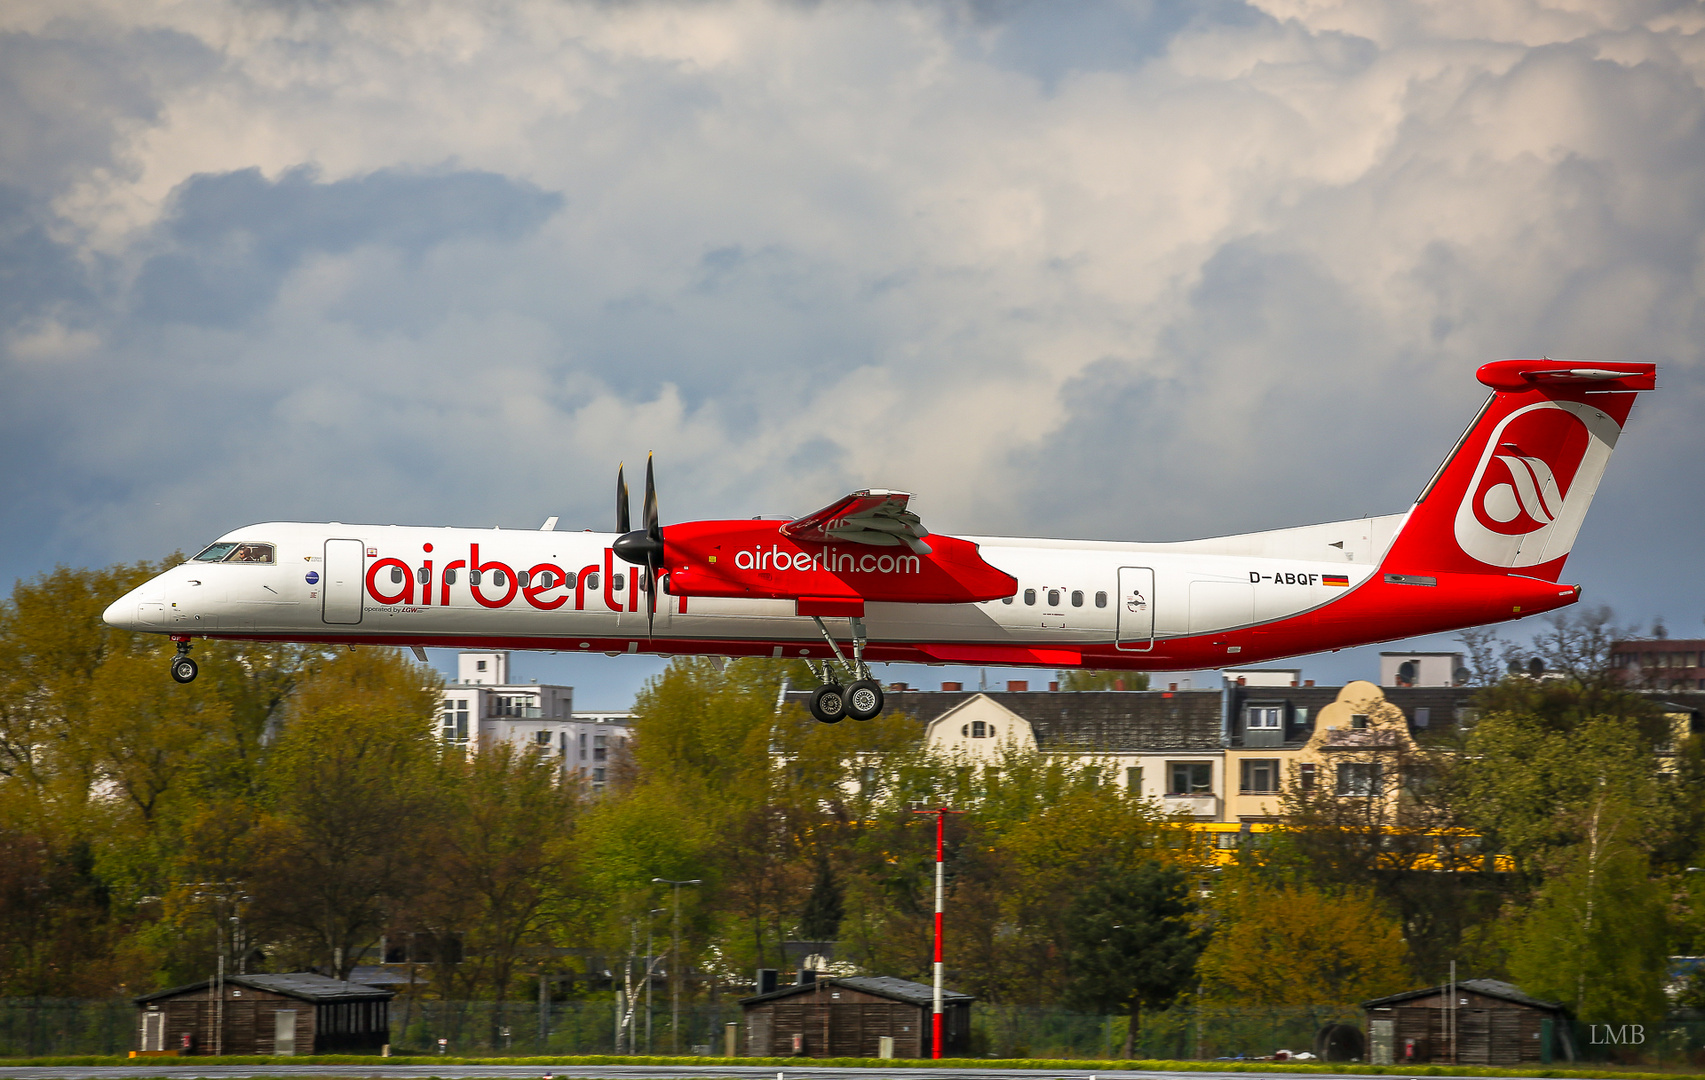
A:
[1291,944]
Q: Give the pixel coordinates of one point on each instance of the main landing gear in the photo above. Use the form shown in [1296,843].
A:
[861,698]
[183,668]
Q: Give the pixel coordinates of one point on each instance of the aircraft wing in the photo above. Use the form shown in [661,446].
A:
[875,517]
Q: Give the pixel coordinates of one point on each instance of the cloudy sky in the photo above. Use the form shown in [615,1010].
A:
[1139,270]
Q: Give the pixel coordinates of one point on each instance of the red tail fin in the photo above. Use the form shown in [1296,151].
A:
[1512,496]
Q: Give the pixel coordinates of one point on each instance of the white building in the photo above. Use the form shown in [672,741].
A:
[483,708]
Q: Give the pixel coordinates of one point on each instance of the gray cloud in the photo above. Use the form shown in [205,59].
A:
[1140,270]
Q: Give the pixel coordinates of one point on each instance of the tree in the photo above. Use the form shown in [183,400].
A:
[821,918]
[1135,940]
[1297,945]
[1595,935]
[352,800]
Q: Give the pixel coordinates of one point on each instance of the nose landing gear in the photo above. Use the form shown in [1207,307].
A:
[183,668]
[862,699]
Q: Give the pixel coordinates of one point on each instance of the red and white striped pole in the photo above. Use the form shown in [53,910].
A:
[940,899]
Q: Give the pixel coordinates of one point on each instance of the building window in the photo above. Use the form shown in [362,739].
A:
[1190,778]
[1265,718]
[455,725]
[867,780]
[479,665]
[1358,720]
[978,729]
[1133,779]
[583,746]
[1359,778]
[597,776]
[1423,717]
[1258,776]
[543,738]
[1305,776]
[600,748]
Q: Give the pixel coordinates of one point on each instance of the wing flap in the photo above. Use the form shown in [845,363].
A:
[875,517]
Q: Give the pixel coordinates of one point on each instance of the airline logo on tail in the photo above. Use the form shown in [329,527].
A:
[1536,477]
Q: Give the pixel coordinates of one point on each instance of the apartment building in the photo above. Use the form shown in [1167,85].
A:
[484,707]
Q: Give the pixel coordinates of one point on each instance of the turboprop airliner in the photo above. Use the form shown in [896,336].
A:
[863,580]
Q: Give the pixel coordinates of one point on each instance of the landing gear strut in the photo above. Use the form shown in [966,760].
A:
[183,668]
[861,699]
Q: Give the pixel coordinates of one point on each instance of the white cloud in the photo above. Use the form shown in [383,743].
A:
[1113,269]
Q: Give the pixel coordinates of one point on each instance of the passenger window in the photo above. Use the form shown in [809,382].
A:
[423,575]
[1006,599]
[1029,596]
[1077,598]
[568,581]
[449,577]
[396,575]
[592,580]
[473,577]
[1100,599]
[1053,598]
[546,579]
[617,582]
[524,578]
[497,578]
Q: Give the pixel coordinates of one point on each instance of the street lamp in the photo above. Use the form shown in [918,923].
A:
[650,966]
[675,963]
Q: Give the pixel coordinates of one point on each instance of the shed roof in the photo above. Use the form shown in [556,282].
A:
[303,985]
[1492,988]
[880,985]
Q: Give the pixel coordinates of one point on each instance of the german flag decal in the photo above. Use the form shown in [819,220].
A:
[1335,579]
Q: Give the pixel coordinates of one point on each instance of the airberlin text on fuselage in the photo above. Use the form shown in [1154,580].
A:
[836,562]
[544,585]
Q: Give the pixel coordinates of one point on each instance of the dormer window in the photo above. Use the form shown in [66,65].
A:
[978,729]
[1359,720]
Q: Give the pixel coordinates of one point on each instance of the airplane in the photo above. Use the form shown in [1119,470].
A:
[863,580]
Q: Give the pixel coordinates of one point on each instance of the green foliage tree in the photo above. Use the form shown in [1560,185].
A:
[350,802]
[1595,936]
[1134,941]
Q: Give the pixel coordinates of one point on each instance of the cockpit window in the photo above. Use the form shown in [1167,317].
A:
[237,551]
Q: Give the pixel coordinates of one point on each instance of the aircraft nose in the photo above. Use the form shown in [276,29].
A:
[121,613]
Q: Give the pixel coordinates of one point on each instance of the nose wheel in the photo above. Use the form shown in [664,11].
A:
[183,668]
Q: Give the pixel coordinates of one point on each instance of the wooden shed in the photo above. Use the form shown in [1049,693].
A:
[298,1013]
[1490,1023]
[847,1017]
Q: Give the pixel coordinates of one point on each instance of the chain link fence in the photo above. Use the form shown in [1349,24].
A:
[57,1027]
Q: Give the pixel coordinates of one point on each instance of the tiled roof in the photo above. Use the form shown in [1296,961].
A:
[1106,720]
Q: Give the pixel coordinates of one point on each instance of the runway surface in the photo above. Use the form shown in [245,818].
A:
[189,1071]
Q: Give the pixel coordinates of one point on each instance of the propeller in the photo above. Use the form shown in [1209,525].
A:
[622,523]
[641,547]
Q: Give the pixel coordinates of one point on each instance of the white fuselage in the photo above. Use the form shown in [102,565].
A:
[389,584]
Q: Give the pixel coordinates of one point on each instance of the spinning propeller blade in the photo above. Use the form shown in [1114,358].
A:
[642,547]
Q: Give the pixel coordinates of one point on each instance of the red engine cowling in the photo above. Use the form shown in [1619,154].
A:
[753,559]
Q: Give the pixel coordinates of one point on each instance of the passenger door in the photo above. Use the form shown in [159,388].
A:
[341,590]
[1135,615]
